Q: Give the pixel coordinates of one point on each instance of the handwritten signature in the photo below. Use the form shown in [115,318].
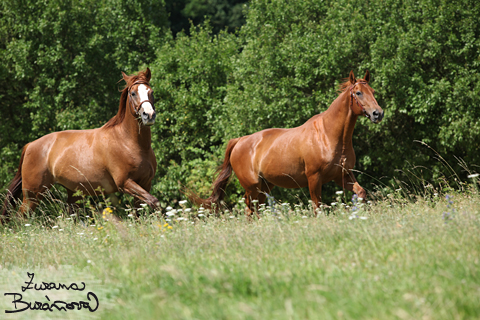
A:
[91,305]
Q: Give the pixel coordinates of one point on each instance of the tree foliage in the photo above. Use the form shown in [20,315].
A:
[60,61]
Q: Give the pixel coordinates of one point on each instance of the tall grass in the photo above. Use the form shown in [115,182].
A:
[390,259]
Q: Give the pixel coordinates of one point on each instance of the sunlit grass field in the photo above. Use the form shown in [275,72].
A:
[390,259]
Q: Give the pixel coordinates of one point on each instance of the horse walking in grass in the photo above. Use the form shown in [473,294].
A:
[312,154]
[115,157]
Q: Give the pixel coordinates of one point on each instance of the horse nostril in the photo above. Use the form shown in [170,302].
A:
[375,113]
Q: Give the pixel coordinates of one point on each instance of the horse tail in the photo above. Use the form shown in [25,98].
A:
[224,173]
[14,190]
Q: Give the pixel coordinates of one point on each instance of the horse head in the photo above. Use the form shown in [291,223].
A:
[140,97]
[362,99]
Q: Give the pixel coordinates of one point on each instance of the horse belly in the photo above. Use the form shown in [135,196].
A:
[285,172]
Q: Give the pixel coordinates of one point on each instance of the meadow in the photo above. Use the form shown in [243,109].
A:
[391,258]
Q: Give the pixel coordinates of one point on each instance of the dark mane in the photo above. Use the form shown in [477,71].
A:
[122,107]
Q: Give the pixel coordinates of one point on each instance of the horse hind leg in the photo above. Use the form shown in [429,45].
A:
[34,191]
[256,195]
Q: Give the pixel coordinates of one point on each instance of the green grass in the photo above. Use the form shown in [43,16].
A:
[404,261]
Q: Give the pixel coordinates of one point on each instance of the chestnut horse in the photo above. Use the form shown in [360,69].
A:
[313,154]
[115,157]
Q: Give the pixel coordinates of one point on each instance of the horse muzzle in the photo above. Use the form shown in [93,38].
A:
[375,116]
[147,113]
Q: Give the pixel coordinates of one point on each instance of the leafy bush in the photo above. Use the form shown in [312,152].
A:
[60,60]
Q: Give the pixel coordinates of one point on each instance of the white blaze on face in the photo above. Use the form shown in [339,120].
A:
[143,93]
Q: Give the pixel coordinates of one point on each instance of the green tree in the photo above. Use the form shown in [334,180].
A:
[190,78]
[221,14]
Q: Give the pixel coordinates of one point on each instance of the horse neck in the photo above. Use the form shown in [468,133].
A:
[131,129]
[339,120]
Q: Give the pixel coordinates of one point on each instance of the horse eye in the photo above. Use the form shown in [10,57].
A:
[358,93]
[133,94]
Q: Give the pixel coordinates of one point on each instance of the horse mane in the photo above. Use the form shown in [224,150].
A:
[122,107]
[342,87]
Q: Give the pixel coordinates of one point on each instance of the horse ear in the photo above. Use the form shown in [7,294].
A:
[367,76]
[125,77]
[148,74]
[351,78]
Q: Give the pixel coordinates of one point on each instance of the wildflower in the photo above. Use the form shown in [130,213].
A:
[169,227]
[333,204]
[473,175]
[231,217]
[60,229]
[130,215]
[201,215]
[255,201]
[170,213]
[339,192]
[143,204]
[92,225]
[182,202]
[100,228]
[95,239]
[73,215]
[54,227]
[27,225]
[89,261]
[449,214]
[188,210]
[165,225]
[168,208]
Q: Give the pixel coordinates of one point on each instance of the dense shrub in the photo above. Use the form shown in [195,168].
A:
[281,68]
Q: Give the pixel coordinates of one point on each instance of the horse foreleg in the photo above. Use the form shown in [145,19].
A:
[315,188]
[349,182]
[132,188]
